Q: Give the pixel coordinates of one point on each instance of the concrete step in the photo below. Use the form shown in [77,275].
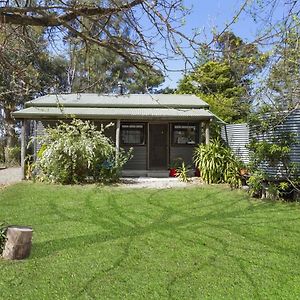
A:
[145,173]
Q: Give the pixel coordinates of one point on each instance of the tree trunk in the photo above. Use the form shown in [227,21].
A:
[18,243]
[9,123]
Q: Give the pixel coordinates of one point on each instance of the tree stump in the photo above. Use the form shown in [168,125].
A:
[18,243]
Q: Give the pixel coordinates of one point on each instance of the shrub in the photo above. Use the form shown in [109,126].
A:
[77,152]
[12,156]
[255,183]
[261,187]
[273,153]
[217,163]
[110,169]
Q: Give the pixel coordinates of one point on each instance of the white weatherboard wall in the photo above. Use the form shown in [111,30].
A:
[237,137]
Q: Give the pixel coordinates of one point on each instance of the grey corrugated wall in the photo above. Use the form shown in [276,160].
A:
[237,137]
[291,124]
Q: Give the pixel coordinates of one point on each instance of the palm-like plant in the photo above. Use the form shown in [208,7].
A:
[217,163]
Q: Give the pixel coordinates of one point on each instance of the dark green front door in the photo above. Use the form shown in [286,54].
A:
[158,146]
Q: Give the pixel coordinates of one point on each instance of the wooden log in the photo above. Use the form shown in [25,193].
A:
[18,242]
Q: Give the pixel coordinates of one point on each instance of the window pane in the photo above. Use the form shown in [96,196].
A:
[184,134]
[132,134]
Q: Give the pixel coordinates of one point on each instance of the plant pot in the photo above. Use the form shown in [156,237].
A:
[197,172]
[243,172]
[172,172]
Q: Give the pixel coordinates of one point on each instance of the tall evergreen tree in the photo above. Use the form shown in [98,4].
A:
[224,76]
[100,71]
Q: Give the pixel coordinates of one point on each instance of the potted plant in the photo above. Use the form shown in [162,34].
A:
[243,170]
[174,165]
[197,172]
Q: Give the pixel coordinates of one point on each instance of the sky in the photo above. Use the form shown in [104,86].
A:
[208,14]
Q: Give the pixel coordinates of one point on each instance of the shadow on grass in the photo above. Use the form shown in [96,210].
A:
[178,220]
[119,224]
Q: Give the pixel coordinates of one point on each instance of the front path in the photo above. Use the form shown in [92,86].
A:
[10,175]
[158,183]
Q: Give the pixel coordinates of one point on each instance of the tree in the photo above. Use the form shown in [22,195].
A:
[28,70]
[277,94]
[214,83]
[284,78]
[101,71]
[278,26]
[245,59]
[166,90]
[224,75]
[151,23]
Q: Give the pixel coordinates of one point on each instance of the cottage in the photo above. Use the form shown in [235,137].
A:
[159,127]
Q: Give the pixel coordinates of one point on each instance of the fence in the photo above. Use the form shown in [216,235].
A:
[237,137]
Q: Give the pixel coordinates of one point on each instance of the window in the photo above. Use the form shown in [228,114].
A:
[133,134]
[184,134]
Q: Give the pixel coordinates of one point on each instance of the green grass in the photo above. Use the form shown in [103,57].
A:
[111,243]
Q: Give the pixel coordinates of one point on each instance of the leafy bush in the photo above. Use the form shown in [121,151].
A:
[12,156]
[255,183]
[76,153]
[110,169]
[217,163]
[261,187]
[274,152]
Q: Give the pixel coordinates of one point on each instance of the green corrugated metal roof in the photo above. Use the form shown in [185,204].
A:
[126,101]
[113,113]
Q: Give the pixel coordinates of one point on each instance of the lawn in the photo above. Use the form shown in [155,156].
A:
[112,243]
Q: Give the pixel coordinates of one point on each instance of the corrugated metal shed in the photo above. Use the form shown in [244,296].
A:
[114,113]
[130,100]
[237,137]
[291,125]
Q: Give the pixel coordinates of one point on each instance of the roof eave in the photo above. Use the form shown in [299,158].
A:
[22,116]
[92,105]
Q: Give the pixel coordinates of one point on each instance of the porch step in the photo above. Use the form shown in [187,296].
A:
[160,174]
[145,173]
